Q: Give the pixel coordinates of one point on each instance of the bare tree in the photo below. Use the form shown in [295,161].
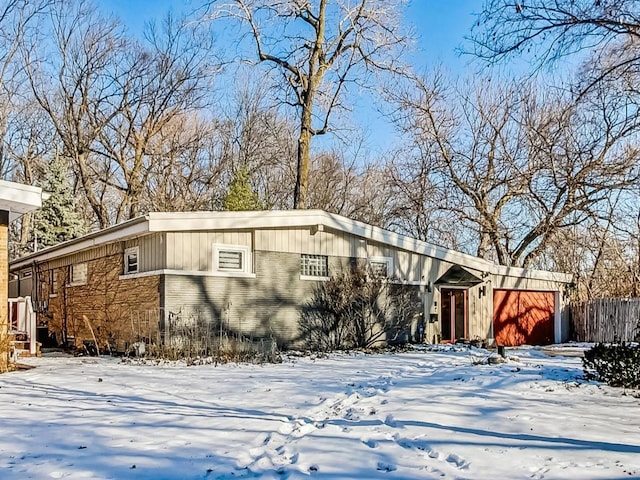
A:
[320,47]
[345,183]
[156,85]
[607,30]
[186,167]
[73,84]
[517,165]
[16,19]
[256,137]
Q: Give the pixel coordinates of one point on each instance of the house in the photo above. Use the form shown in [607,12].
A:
[254,272]
[15,200]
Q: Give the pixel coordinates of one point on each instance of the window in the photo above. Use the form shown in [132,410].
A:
[381,267]
[131,260]
[26,274]
[79,274]
[314,265]
[54,281]
[231,259]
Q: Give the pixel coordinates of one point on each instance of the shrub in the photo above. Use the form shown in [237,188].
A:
[615,364]
[357,309]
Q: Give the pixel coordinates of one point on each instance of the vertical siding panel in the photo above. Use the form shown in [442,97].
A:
[212,237]
[161,250]
[178,250]
[195,251]
[150,260]
[331,243]
[266,246]
[202,251]
[309,240]
[300,241]
[265,240]
[171,257]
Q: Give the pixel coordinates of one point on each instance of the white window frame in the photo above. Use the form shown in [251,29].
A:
[387,260]
[83,272]
[54,282]
[306,276]
[246,263]
[127,253]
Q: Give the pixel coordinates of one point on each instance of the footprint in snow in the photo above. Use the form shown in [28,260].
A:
[370,443]
[457,461]
[392,422]
[386,467]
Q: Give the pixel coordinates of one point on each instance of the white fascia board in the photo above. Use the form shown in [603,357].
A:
[19,199]
[533,274]
[133,228]
[193,221]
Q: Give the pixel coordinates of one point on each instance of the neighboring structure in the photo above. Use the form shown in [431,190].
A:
[253,273]
[15,200]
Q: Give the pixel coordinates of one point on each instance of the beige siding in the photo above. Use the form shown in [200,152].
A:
[193,251]
[151,256]
[407,266]
[113,249]
[480,313]
[304,240]
[151,253]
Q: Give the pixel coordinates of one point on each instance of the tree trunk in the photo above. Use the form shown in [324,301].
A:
[304,154]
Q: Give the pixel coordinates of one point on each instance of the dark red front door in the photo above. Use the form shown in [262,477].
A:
[453,314]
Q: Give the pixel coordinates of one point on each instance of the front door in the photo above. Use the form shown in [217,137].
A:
[453,313]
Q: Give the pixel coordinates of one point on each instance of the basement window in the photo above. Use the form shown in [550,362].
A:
[78,274]
[231,259]
[314,267]
[131,256]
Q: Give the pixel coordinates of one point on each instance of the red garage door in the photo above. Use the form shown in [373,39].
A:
[523,317]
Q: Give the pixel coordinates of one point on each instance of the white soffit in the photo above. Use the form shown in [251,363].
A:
[19,199]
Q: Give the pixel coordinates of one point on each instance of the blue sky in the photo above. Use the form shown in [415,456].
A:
[440,27]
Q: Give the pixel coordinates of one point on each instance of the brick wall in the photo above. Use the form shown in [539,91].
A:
[106,304]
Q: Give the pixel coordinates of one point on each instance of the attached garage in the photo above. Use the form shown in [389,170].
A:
[523,317]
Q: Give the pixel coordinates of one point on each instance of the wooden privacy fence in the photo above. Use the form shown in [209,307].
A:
[606,320]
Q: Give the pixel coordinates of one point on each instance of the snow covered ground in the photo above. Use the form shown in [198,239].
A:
[417,415]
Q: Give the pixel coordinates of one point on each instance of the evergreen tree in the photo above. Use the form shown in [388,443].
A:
[240,196]
[58,220]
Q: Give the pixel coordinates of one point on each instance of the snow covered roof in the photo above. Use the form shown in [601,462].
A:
[194,221]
